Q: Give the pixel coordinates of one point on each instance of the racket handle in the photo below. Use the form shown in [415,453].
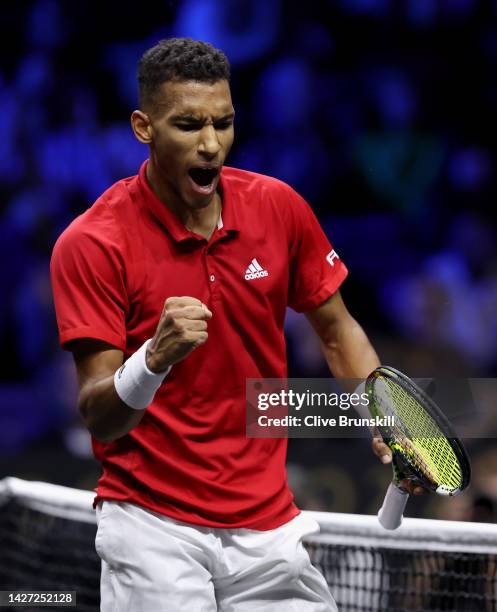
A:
[390,514]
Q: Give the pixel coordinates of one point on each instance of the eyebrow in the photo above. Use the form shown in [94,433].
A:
[188,118]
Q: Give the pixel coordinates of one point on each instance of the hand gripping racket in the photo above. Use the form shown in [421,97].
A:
[424,447]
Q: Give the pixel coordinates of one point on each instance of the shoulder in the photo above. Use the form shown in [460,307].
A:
[103,222]
[249,183]
[259,194]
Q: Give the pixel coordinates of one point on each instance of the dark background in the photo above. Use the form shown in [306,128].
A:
[381,113]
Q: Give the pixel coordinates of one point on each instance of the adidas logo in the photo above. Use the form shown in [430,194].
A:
[255,270]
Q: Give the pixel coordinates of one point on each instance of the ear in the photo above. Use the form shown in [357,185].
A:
[142,127]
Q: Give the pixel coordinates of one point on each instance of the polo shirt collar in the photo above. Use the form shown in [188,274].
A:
[173,224]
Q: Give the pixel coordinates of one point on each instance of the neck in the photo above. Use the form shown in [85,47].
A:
[204,221]
[201,221]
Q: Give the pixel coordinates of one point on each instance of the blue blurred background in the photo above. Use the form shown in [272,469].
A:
[380,112]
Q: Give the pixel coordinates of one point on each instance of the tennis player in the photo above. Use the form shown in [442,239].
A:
[170,291]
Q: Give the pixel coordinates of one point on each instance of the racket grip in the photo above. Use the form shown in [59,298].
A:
[390,514]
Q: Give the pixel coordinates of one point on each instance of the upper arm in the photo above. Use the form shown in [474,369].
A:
[95,360]
[316,271]
[88,281]
[329,316]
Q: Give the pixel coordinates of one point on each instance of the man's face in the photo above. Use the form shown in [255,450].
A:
[192,133]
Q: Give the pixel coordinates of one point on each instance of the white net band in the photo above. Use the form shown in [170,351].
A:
[414,534]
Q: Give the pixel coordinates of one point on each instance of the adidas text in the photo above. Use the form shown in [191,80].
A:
[259,274]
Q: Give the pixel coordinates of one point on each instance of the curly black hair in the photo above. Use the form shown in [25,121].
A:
[179,59]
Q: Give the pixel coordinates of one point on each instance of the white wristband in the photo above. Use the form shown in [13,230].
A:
[135,384]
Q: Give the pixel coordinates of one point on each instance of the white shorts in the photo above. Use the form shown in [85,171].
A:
[151,563]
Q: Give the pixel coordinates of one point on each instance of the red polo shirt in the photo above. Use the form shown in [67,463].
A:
[112,270]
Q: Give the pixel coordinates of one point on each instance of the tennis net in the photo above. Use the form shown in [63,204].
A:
[47,537]
[424,566]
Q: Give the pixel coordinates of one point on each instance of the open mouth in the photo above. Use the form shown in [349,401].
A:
[203,177]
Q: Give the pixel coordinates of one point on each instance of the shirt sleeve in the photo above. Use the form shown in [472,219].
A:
[88,285]
[316,270]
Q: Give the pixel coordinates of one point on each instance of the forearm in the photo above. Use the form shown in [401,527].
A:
[106,416]
[347,350]
[112,405]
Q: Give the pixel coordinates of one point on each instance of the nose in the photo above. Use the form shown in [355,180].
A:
[209,142]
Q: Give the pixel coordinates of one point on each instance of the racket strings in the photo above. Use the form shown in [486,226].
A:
[409,448]
[417,436]
[430,441]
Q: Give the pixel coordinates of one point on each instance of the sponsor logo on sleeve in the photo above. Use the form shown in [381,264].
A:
[330,258]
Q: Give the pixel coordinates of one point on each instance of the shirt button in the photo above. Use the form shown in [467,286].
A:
[212,278]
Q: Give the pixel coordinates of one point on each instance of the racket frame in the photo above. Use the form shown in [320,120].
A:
[404,469]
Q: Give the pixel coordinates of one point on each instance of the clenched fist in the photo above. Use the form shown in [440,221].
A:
[182,328]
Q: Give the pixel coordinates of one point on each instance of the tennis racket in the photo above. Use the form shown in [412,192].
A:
[424,447]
